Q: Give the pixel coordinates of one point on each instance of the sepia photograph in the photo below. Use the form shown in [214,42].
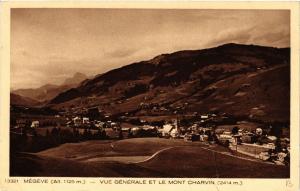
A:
[150,93]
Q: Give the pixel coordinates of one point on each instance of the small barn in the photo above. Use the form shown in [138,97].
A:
[167,128]
[77,121]
[85,120]
[35,124]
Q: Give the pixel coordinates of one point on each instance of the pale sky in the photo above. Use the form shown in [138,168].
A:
[49,45]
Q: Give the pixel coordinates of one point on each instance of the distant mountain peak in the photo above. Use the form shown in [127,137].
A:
[75,79]
[48,91]
[48,86]
[79,74]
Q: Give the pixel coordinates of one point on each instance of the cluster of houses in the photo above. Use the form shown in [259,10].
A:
[85,122]
[260,145]
[194,132]
[256,144]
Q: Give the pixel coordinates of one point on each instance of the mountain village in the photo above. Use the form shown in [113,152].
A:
[256,142]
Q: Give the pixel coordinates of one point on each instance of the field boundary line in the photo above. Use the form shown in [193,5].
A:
[152,156]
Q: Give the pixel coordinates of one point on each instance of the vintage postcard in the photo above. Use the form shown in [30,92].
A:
[129,96]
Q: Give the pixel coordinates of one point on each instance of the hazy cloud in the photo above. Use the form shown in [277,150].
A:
[48,45]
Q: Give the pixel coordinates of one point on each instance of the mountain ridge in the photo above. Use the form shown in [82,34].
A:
[232,78]
[49,91]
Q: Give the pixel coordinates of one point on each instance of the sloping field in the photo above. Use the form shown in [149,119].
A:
[32,165]
[142,157]
[199,162]
[126,147]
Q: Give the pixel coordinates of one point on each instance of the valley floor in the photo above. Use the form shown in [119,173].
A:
[142,157]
